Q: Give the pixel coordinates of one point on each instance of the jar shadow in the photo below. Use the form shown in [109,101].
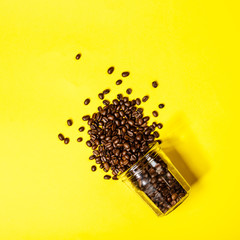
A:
[184,150]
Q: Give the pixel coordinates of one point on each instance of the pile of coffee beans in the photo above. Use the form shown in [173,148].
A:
[119,134]
[154,179]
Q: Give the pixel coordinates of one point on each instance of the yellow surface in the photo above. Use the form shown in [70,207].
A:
[191,48]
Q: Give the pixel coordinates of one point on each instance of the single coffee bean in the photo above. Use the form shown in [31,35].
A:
[115,178]
[87,101]
[66,140]
[120,96]
[160,125]
[129,91]
[145,98]
[78,56]
[174,196]
[106,91]
[138,101]
[110,70]
[86,118]
[118,82]
[154,84]
[106,102]
[107,177]
[69,122]
[93,168]
[79,139]
[155,113]
[161,105]
[81,129]
[61,137]
[156,134]
[91,157]
[89,144]
[101,96]
[125,74]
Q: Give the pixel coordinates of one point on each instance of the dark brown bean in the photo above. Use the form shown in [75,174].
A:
[106,102]
[110,70]
[138,101]
[69,122]
[60,136]
[145,98]
[154,84]
[81,129]
[155,113]
[91,157]
[115,178]
[86,118]
[87,101]
[66,140]
[79,139]
[160,125]
[129,91]
[106,91]
[118,82]
[101,96]
[78,56]
[107,177]
[93,168]
[161,105]
[89,144]
[125,74]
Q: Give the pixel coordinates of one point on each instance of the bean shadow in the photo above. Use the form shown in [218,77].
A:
[184,150]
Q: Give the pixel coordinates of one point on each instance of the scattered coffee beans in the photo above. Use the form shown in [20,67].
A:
[66,140]
[81,129]
[125,74]
[87,101]
[110,70]
[69,122]
[118,82]
[154,84]
[101,96]
[93,168]
[161,105]
[129,91]
[79,139]
[61,137]
[155,113]
[145,98]
[78,56]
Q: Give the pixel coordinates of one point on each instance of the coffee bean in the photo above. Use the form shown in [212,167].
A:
[160,125]
[61,137]
[78,56]
[107,177]
[145,98]
[93,168]
[125,74]
[174,196]
[138,101]
[156,134]
[118,82]
[106,102]
[129,91]
[115,178]
[110,70]
[119,96]
[154,84]
[101,96]
[87,101]
[86,118]
[66,140]
[161,105]
[106,91]
[91,157]
[155,113]
[79,139]
[69,122]
[89,144]
[81,129]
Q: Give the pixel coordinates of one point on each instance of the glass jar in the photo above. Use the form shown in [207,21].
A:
[157,181]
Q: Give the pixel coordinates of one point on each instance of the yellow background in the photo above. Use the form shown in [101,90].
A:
[191,48]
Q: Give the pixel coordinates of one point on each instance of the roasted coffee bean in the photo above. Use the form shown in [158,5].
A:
[155,113]
[87,101]
[107,177]
[101,96]
[91,157]
[115,178]
[110,70]
[119,96]
[138,101]
[93,168]
[145,98]
[79,139]
[69,122]
[160,125]
[156,134]
[106,102]
[106,91]
[61,137]
[154,84]
[129,91]
[86,118]
[118,82]
[66,140]
[78,56]
[161,105]
[125,74]
[81,129]
[89,144]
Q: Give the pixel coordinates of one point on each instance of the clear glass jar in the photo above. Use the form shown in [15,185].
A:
[157,181]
